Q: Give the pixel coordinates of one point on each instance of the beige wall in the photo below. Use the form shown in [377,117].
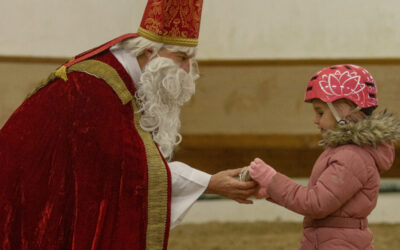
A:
[16,81]
[255,61]
[230,29]
[241,110]
[267,99]
[231,98]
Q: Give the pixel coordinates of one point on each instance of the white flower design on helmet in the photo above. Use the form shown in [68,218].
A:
[342,84]
[343,81]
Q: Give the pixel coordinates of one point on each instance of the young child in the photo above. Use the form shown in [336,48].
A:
[344,184]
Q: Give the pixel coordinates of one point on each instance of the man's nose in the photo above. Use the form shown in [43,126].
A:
[186,66]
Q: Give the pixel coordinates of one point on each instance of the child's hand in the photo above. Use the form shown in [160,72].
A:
[261,173]
[245,176]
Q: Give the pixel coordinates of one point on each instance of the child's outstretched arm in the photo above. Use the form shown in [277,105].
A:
[335,186]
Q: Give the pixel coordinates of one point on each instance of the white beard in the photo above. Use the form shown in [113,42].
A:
[163,88]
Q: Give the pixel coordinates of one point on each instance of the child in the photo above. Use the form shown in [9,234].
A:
[344,184]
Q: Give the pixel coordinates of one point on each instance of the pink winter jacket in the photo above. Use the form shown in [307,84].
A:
[344,183]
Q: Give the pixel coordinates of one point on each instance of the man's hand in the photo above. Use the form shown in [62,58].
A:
[223,183]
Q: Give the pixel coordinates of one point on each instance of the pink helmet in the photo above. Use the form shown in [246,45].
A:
[343,81]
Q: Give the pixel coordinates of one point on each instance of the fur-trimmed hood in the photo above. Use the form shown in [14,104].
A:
[378,128]
[375,134]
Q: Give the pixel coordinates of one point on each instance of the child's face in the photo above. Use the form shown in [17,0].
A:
[323,116]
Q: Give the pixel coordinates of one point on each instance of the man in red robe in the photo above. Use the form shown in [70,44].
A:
[84,158]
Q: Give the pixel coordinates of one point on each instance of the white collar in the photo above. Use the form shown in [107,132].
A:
[130,64]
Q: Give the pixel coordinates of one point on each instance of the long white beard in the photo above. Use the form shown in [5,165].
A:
[163,88]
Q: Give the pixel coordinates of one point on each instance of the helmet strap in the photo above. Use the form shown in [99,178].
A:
[340,120]
[334,112]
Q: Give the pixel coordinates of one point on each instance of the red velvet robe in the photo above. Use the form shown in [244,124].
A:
[74,170]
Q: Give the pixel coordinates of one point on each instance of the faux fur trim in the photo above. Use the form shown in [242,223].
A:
[378,128]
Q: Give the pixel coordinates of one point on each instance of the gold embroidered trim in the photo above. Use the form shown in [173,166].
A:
[167,39]
[61,72]
[92,67]
[157,204]
[107,73]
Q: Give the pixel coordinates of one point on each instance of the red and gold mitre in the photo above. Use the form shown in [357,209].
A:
[174,22]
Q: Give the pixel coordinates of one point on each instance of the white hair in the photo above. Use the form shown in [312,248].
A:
[137,46]
[163,88]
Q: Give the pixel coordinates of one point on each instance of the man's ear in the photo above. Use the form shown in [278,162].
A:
[148,53]
[145,57]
